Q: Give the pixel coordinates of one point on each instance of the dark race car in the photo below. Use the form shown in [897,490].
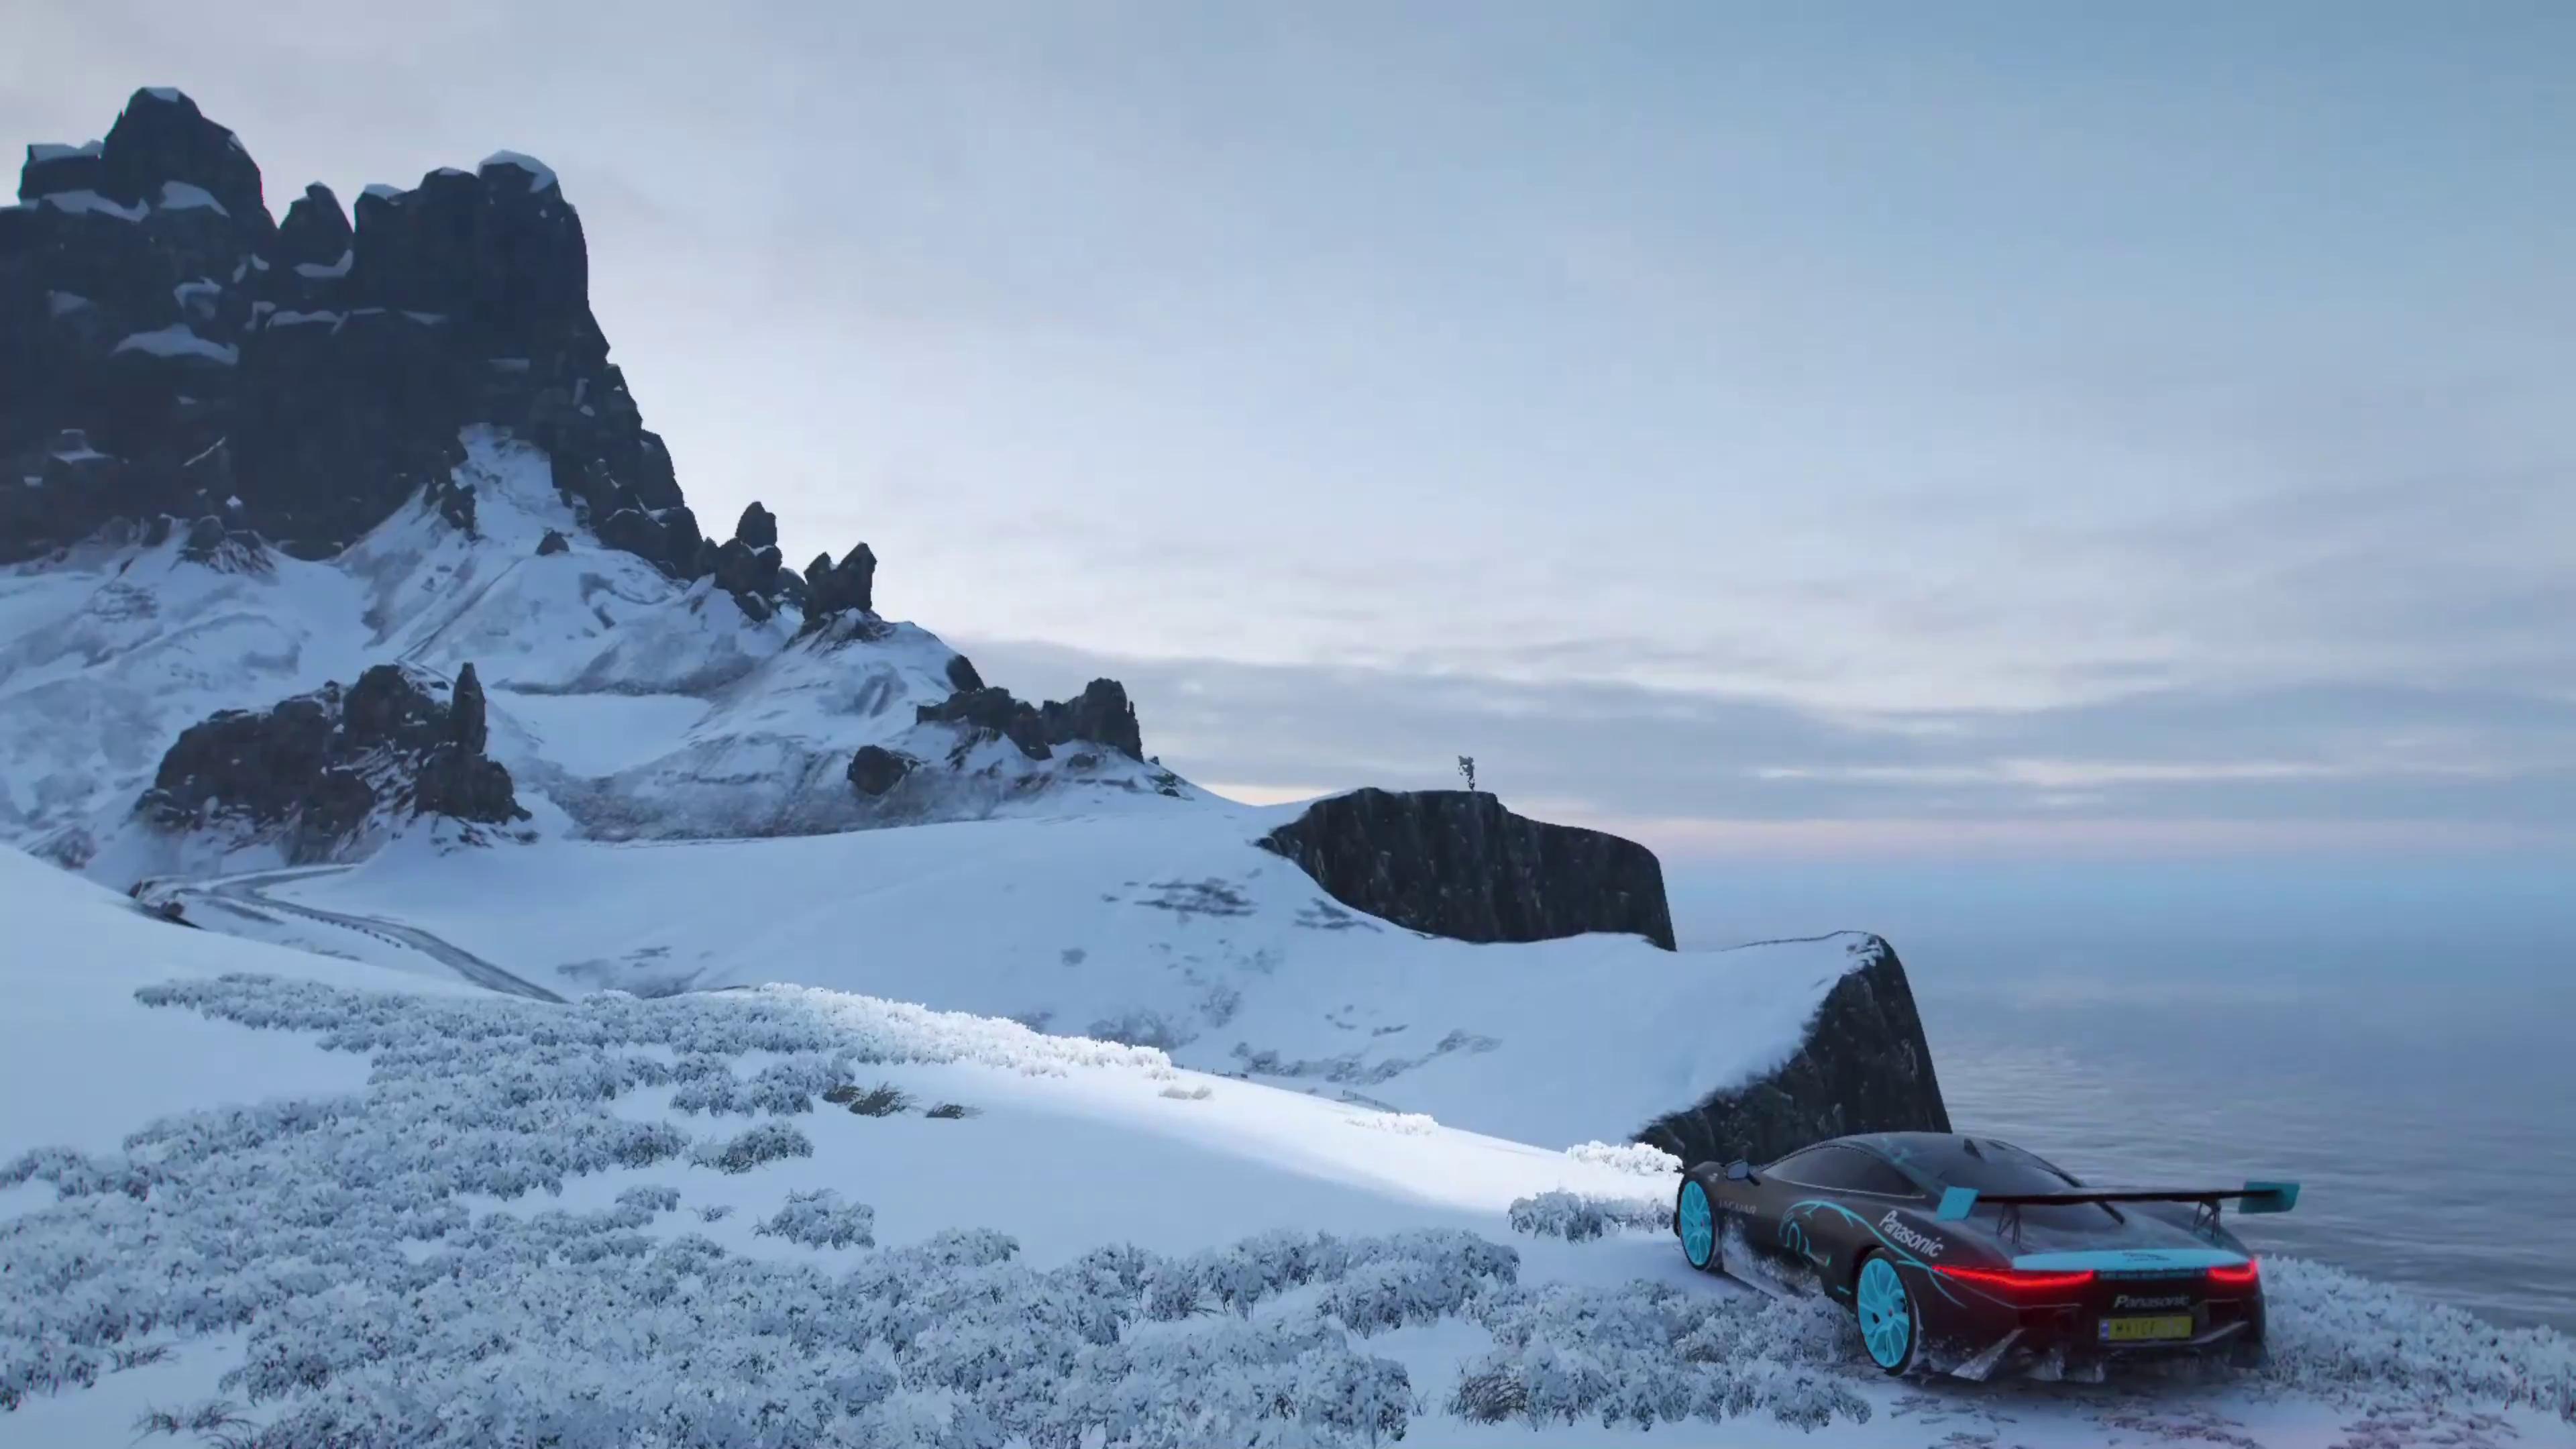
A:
[1968,1254]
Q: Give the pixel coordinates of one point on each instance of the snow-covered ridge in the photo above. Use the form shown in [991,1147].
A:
[137,638]
[997,1236]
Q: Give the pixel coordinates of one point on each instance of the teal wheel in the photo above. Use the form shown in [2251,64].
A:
[1891,1327]
[1696,1221]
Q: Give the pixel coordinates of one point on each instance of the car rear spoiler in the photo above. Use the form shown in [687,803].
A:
[2253,1197]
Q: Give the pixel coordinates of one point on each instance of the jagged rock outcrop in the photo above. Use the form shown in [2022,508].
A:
[1864,1066]
[317,370]
[1457,864]
[962,675]
[1100,714]
[876,769]
[992,711]
[316,768]
[848,585]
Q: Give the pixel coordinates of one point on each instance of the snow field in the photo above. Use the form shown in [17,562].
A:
[373,1270]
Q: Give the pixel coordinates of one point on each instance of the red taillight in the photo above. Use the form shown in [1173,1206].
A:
[2021,1283]
[2248,1274]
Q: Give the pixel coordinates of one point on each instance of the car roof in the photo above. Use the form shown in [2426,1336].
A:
[1934,1159]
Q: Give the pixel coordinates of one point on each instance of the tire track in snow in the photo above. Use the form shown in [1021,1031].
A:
[244,890]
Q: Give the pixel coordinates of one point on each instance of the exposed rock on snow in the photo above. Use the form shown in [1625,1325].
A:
[1100,714]
[876,769]
[316,769]
[1457,864]
[1864,1066]
[330,429]
[832,588]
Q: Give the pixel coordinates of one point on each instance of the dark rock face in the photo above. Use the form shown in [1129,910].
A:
[876,769]
[758,528]
[992,711]
[831,588]
[553,543]
[469,726]
[1864,1067]
[962,675]
[319,370]
[1450,863]
[316,767]
[1100,713]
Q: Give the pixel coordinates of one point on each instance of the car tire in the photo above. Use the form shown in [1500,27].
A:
[1695,1223]
[1890,1321]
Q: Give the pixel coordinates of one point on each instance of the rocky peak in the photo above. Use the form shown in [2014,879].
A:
[327,365]
[849,584]
[162,140]
[316,232]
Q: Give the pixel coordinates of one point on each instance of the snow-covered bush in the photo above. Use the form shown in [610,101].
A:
[376,1310]
[1407,1124]
[1580,1217]
[820,1219]
[1646,1354]
[1641,1158]
[2349,1339]
[748,1149]
[882,1100]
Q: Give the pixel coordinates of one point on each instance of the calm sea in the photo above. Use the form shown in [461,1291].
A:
[2402,1042]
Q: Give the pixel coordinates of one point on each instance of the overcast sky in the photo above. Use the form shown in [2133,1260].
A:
[1825,429]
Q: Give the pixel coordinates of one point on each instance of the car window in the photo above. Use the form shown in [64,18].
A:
[1845,1168]
[1797,1164]
[1993,1168]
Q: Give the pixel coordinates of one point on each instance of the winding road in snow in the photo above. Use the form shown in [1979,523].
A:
[246,892]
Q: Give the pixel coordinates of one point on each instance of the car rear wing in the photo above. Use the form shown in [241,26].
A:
[2253,1197]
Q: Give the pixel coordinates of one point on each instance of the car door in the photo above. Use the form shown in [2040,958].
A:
[1831,1198]
[1782,1226]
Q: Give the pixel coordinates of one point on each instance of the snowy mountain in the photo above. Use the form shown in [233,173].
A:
[901,1061]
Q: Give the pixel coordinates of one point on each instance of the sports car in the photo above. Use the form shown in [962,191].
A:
[1966,1254]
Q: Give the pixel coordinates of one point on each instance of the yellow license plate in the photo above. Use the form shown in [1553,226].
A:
[2141,1330]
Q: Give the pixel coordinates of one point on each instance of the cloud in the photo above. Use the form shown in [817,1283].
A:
[2309,766]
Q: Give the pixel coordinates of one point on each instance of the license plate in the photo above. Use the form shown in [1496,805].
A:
[2146,1330]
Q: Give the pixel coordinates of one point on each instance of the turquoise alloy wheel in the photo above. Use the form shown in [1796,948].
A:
[1886,1318]
[1698,1225]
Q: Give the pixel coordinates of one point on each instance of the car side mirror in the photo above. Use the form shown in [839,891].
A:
[1740,1171]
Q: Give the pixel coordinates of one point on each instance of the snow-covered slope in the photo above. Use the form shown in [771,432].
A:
[800,1216]
[635,704]
[1164,928]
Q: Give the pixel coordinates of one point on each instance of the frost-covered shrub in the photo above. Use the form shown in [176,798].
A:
[951,1112]
[1580,1217]
[1646,1354]
[820,1219]
[782,1088]
[376,1310]
[2352,1340]
[1178,1093]
[1407,1124]
[649,1198]
[1641,1158]
[882,1100]
[748,1149]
